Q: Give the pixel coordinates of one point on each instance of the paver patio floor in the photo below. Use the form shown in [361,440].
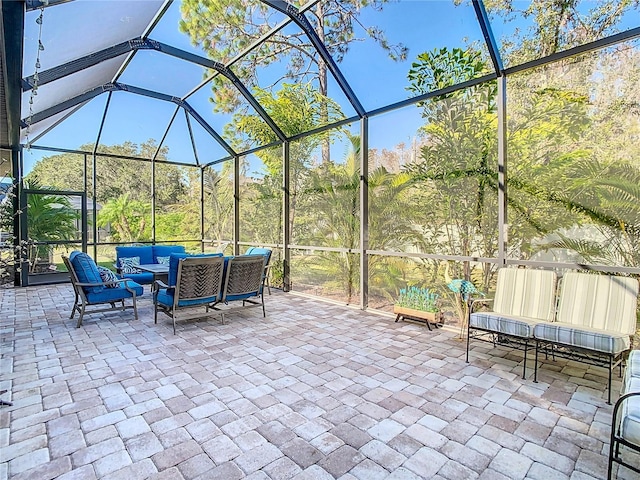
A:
[313,391]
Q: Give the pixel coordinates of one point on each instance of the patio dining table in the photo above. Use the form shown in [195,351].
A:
[160,271]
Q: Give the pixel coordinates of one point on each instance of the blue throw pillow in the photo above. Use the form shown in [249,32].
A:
[108,276]
[128,265]
[164,260]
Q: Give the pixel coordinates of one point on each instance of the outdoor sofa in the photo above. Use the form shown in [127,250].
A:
[127,257]
[593,323]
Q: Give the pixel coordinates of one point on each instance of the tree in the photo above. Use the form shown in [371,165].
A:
[608,194]
[556,25]
[225,29]
[50,218]
[458,164]
[114,176]
[298,109]
[128,217]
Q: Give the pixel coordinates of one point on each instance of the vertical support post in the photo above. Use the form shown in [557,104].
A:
[202,208]
[153,201]
[236,205]
[12,15]
[286,216]
[94,181]
[95,176]
[502,170]
[21,274]
[23,233]
[364,212]
[84,222]
[85,186]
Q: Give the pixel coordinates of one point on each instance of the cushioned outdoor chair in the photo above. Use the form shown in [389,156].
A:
[267,262]
[91,289]
[243,281]
[194,282]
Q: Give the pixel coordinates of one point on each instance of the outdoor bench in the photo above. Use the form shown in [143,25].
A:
[625,423]
[524,298]
[593,323]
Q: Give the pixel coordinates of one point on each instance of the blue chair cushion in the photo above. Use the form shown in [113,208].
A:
[175,258]
[259,251]
[145,253]
[115,294]
[165,297]
[86,270]
[231,298]
[165,251]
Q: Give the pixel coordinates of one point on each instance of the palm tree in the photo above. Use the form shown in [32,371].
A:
[128,217]
[50,218]
[608,195]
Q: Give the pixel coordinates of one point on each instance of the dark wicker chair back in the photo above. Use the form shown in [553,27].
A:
[199,278]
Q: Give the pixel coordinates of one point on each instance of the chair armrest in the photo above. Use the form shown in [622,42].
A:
[479,301]
[616,410]
[161,284]
[101,284]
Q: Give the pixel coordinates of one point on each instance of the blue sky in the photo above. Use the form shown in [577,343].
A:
[376,80]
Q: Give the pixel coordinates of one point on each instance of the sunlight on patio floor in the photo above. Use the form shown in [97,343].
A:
[313,391]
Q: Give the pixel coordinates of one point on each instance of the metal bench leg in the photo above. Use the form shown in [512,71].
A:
[535,366]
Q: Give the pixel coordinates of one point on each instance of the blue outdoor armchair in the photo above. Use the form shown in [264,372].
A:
[267,263]
[195,282]
[243,281]
[90,289]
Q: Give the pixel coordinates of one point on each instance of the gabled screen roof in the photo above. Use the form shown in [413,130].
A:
[209,82]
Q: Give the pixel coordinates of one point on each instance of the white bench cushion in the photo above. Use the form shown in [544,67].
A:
[525,292]
[502,323]
[583,337]
[604,302]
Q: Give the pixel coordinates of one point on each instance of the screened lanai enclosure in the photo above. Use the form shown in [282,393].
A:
[373,145]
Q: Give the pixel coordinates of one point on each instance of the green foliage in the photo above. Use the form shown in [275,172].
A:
[226,28]
[418,298]
[443,68]
[129,218]
[555,25]
[50,218]
[295,108]
[114,176]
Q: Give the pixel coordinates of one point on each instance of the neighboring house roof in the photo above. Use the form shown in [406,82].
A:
[76,203]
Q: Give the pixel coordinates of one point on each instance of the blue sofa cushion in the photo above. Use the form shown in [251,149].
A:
[108,276]
[166,296]
[86,270]
[145,253]
[165,251]
[115,294]
[175,258]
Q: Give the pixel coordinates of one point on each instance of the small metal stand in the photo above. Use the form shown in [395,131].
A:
[436,325]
